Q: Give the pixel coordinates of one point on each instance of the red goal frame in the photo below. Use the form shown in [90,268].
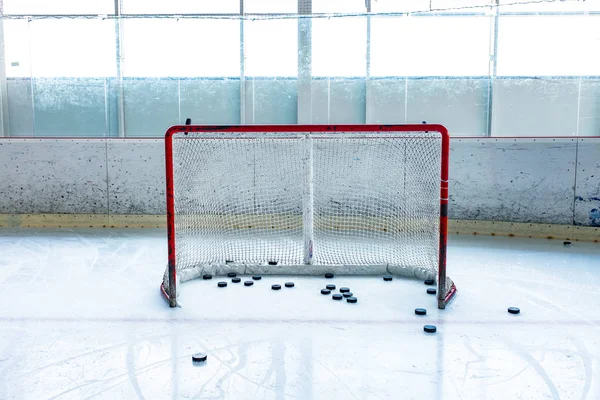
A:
[170,292]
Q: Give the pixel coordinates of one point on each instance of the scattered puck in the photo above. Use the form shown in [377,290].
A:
[289,284]
[248,283]
[429,282]
[275,287]
[431,291]
[429,328]
[232,274]
[420,311]
[236,280]
[222,284]
[199,357]
[325,291]
[344,290]
[514,310]
[567,243]
[351,299]
[272,262]
[329,275]
[387,278]
[337,296]
[256,277]
[206,277]
[347,294]
[228,261]
[330,287]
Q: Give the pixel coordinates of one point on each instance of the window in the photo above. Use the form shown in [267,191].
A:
[16,48]
[271,47]
[548,45]
[549,6]
[430,46]
[390,6]
[58,7]
[339,46]
[181,48]
[338,6]
[271,6]
[180,6]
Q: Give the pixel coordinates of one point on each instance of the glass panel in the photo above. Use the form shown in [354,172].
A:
[549,6]
[549,46]
[271,47]
[180,7]
[339,46]
[430,46]
[383,6]
[271,6]
[17,48]
[338,6]
[181,48]
[58,7]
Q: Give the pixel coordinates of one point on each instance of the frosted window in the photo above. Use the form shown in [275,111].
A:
[73,48]
[271,6]
[430,46]
[181,48]
[36,7]
[549,45]
[180,6]
[338,6]
[339,46]
[271,47]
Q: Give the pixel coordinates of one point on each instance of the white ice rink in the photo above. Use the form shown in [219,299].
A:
[81,317]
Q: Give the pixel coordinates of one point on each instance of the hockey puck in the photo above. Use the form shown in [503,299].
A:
[256,277]
[325,291]
[289,284]
[429,282]
[387,278]
[420,311]
[337,296]
[248,283]
[347,294]
[329,275]
[567,243]
[431,291]
[429,328]
[206,277]
[344,289]
[236,280]
[232,274]
[330,287]
[228,261]
[514,310]
[275,287]
[222,284]
[351,299]
[199,357]
[272,262]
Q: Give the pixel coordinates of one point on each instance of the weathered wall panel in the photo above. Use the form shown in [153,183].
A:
[587,189]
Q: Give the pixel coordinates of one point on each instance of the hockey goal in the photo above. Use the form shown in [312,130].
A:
[365,199]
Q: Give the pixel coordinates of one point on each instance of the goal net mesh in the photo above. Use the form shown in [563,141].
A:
[250,202]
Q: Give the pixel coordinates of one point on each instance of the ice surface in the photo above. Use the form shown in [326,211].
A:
[82,317]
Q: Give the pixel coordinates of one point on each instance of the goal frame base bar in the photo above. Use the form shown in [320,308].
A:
[446,288]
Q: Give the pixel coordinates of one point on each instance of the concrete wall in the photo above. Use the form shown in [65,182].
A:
[555,181]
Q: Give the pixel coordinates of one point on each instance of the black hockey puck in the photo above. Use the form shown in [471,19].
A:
[337,296]
[420,311]
[329,275]
[272,262]
[222,284]
[567,243]
[429,282]
[429,328]
[199,357]
[275,287]
[236,280]
[330,287]
[387,278]
[232,274]
[256,277]
[228,261]
[431,291]
[289,284]
[351,299]
[325,291]
[347,294]
[206,276]
[248,283]
[344,289]
[514,310]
